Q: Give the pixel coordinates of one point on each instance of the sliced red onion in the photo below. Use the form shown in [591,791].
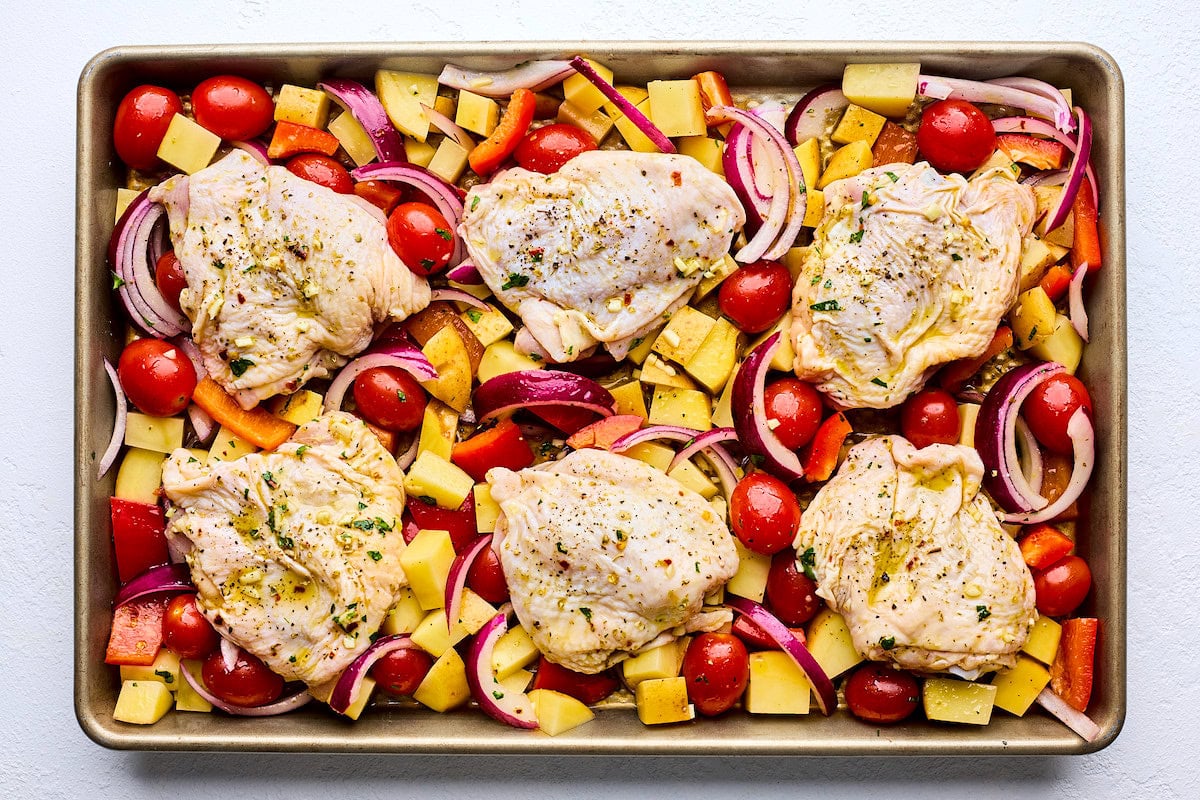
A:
[142,273]
[767,622]
[1075,172]
[1041,88]
[722,463]
[202,423]
[391,354]
[229,654]
[995,94]
[444,196]
[1079,317]
[129,245]
[290,703]
[1042,128]
[256,149]
[640,120]
[511,708]
[772,112]
[457,579]
[531,75]
[466,274]
[120,420]
[362,104]
[349,683]
[750,412]
[1051,177]
[1083,437]
[167,579]
[189,348]
[1030,457]
[810,116]
[540,387]
[708,440]
[737,161]
[406,459]
[459,296]
[448,127]
[1075,720]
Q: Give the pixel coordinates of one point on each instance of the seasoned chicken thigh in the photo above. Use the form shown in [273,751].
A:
[908,270]
[295,553]
[599,251]
[606,556]
[910,552]
[285,278]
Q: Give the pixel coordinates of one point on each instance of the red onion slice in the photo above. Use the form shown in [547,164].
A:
[169,578]
[444,196]
[448,127]
[810,116]
[192,352]
[229,654]
[369,207]
[457,580]
[392,354]
[767,622]
[1053,177]
[129,251]
[750,412]
[722,463]
[707,440]
[202,423]
[142,273]
[738,163]
[406,459]
[1040,88]
[531,75]
[466,274]
[1075,172]
[1042,128]
[1083,437]
[996,94]
[1075,720]
[540,387]
[290,703]
[120,421]
[640,120]
[256,149]
[349,683]
[1030,457]
[511,708]
[362,104]
[458,296]
[1079,317]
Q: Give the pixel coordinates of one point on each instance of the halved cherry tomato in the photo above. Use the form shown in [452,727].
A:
[139,540]
[322,169]
[421,237]
[157,377]
[549,147]
[379,193]
[486,577]
[764,513]
[716,668]
[797,407]
[233,107]
[955,136]
[882,694]
[1074,665]
[501,446]
[1050,406]
[587,689]
[1044,544]
[930,417]
[169,278]
[791,595]
[400,672]
[390,398]
[186,631]
[756,295]
[249,683]
[458,522]
[141,122]
[1062,586]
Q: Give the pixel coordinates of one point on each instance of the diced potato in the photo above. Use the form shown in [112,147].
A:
[299,408]
[1063,235]
[444,105]
[634,94]
[165,669]
[1017,688]
[419,153]
[722,415]
[846,162]
[596,122]
[675,107]
[808,153]
[160,434]
[403,94]
[686,407]
[473,613]
[365,690]
[1000,159]
[448,355]
[488,326]
[640,347]
[632,134]
[1036,257]
[1032,318]
[657,372]
[581,93]
[683,334]
[516,683]
[968,413]
[477,113]
[405,614]
[1042,643]
[1062,345]
[630,399]
[302,106]
[435,477]
[653,664]
[449,162]
[186,698]
[814,208]
[354,139]
[433,636]
[777,685]
[500,358]
[142,702]
[750,580]
[887,89]
[687,473]
[139,476]
[445,685]
[663,701]
[514,651]
[439,426]
[785,357]
[713,361]
[124,198]
[187,145]
[487,510]
[829,641]
[706,150]
[858,125]
[717,272]
[426,562]
[228,446]
[950,700]
[557,712]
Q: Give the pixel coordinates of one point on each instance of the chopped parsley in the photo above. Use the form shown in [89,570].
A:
[982,612]
[866,199]
[166,676]
[474,202]
[427,500]
[1033,333]
[535,255]
[808,560]
[587,613]
[879,382]
[825,305]
[383,525]
[239,366]
[474,315]
[445,234]
[514,280]
[361,505]
[363,524]
[117,280]
[269,480]
[375,555]
[284,542]
[427,263]
[271,519]
[401,396]
[218,264]
[300,451]
[496,694]
[559,547]
[856,237]
[887,642]
[828,284]
[955,257]
[893,176]
[815,280]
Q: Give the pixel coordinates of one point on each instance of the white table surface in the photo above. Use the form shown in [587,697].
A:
[43,753]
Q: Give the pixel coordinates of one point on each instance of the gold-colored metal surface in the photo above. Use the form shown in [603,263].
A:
[761,66]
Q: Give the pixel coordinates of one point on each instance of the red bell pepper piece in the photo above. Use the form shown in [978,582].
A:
[459,522]
[291,139]
[1037,153]
[714,91]
[380,194]
[567,419]
[894,145]
[1074,665]
[137,632]
[138,537]
[952,376]
[1087,230]
[491,152]
[823,452]
[1055,282]
[501,446]
[584,688]
[604,432]
[1043,545]
[754,636]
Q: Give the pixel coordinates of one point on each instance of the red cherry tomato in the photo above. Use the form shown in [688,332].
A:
[186,631]
[548,148]
[486,577]
[232,107]
[716,667]
[421,237]
[169,278]
[791,595]
[141,122]
[400,672]
[756,295]
[587,689]
[157,377]
[930,417]
[320,168]
[390,398]
[249,683]
[764,513]
[1049,407]
[881,693]
[1062,586]
[797,407]
[955,136]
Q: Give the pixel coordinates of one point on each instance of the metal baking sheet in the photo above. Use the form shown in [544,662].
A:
[788,67]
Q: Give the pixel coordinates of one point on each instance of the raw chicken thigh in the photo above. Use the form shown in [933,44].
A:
[295,553]
[601,250]
[286,279]
[911,554]
[606,556]
[908,270]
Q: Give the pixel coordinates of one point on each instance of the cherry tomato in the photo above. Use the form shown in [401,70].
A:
[1049,407]
[186,631]
[232,107]
[421,237]
[486,577]
[157,377]
[249,683]
[756,295]
[548,148]
[764,513]
[169,278]
[320,168]
[882,694]
[141,122]
[587,689]
[1062,586]
[390,398]
[955,136]
[791,594]
[930,417]
[400,672]
[716,667]
[797,407]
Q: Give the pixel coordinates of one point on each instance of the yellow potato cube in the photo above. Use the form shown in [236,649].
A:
[360,701]
[706,150]
[139,476]
[514,651]
[680,340]
[717,272]
[846,162]
[435,477]
[777,685]
[632,134]
[448,355]
[405,614]
[449,162]
[663,701]
[445,685]
[722,415]
[687,473]
[160,434]
[516,683]
[557,712]
[634,94]
[487,510]
[299,408]
[500,358]
[302,106]
[439,426]
[951,700]
[1062,345]
[887,89]
[653,664]
[814,208]
[228,446]
[1000,159]
[477,113]
[581,93]
[630,399]
[858,125]
[808,153]
[488,326]
[713,361]
[830,643]
[750,580]
[187,145]
[686,407]
[165,669]
[1042,643]
[785,357]
[596,123]
[124,198]
[426,562]
[1033,318]
[444,105]
[1036,257]
[473,613]
[675,107]
[641,347]
[403,95]
[419,153]
[186,698]
[354,139]
[1063,235]
[433,636]
[657,372]
[793,259]
[968,413]
[142,702]
[1017,688]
